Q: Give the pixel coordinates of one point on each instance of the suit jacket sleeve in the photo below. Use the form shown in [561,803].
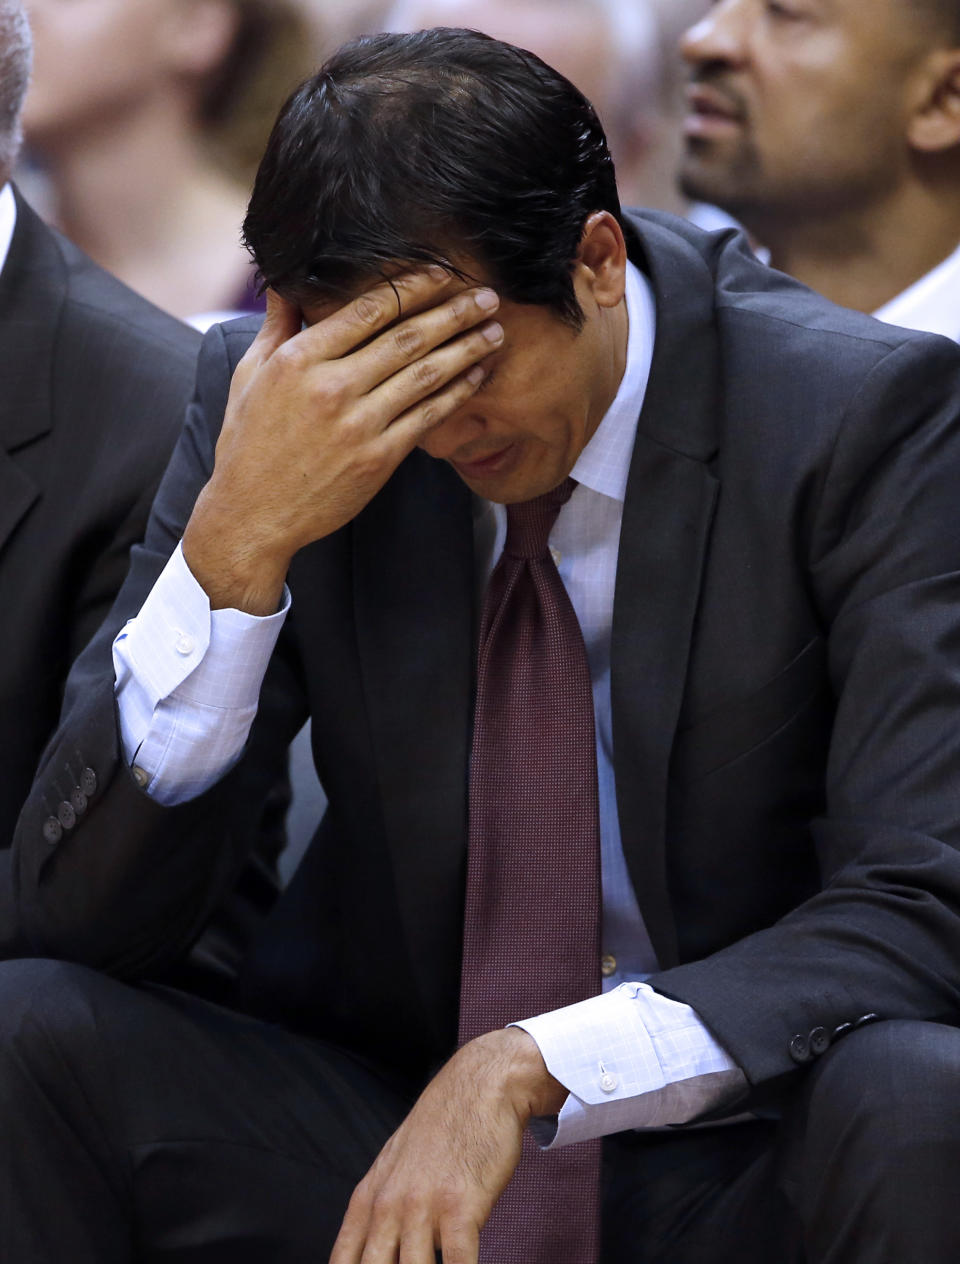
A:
[131,885]
[881,553]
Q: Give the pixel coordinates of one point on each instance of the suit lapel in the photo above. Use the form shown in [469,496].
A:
[671,496]
[413,576]
[31,297]
[17,494]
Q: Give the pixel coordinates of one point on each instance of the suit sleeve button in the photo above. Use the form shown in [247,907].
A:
[88,782]
[52,831]
[841,1031]
[865,1019]
[66,815]
[800,1048]
[819,1041]
[78,800]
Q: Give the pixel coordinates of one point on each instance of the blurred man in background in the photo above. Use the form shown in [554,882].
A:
[832,132]
[93,386]
[623,57]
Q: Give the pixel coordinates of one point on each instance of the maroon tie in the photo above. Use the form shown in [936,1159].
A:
[532,921]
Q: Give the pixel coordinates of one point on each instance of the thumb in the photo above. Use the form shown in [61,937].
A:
[282,322]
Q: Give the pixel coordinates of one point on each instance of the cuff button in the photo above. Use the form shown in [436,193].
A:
[66,815]
[88,782]
[52,831]
[609,1082]
[819,1041]
[866,1019]
[799,1049]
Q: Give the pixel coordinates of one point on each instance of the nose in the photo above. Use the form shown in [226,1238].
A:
[718,37]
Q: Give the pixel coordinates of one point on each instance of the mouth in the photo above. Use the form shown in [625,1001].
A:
[485,465]
[711,114]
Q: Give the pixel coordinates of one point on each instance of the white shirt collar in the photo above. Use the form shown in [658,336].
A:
[604,463]
[930,304]
[8,221]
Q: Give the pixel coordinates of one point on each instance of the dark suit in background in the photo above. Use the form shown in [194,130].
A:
[94,382]
[785,681]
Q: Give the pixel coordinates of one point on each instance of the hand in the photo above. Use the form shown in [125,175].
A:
[435,1182]
[319,418]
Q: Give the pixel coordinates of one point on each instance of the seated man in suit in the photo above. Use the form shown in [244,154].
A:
[832,132]
[94,382]
[618,573]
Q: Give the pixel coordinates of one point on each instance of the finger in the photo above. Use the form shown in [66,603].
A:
[430,391]
[282,322]
[382,1242]
[459,1241]
[347,328]
[410,343]
[417,1245]
[348,1247]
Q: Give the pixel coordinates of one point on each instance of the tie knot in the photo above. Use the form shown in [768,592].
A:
[529,523]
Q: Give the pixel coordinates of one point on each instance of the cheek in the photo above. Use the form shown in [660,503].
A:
[93,54]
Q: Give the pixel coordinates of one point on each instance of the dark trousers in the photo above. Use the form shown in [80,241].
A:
[144,1125]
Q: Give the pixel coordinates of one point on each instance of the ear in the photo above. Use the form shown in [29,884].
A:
[602,259]
[199,35]
[935,121]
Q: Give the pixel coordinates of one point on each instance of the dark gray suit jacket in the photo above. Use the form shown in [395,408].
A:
[94,382]
[786,694]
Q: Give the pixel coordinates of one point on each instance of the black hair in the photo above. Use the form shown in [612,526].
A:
[425,148]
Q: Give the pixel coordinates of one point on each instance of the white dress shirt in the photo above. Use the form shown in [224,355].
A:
[8,222]
[931,304]
[187,687]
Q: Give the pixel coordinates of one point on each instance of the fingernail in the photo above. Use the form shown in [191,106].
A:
[487,299]
[437,273]
[476,375]
[493,332]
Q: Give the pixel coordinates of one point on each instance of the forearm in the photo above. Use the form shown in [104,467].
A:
[238,567]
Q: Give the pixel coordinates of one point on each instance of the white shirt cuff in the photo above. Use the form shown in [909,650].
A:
[629,1058]
[188,683]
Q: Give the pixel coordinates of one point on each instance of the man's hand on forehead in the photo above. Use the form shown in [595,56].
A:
[320,417]
[382,316]
[405,292]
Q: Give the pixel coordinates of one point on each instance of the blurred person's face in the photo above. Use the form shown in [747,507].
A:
[96,59]
[573,40]
[799,106]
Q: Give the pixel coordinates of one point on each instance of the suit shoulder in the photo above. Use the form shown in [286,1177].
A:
[772,313]
[238,334]
[105,304]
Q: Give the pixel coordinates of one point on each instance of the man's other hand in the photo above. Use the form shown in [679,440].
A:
[319,418]
[436,1180]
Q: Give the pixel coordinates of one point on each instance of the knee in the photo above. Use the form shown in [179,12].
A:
[44,1002]
[892,1084]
